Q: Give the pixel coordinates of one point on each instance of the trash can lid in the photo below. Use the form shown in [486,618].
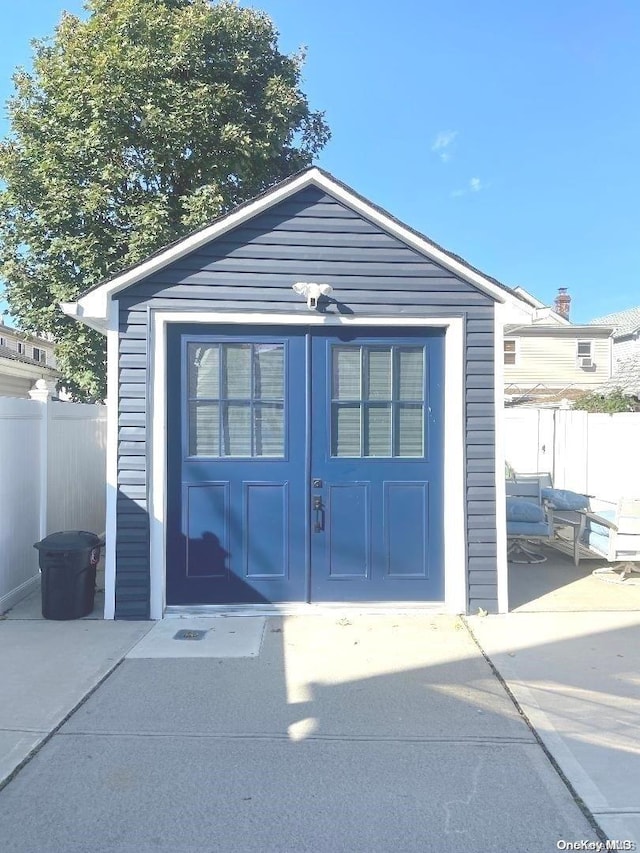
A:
[68,540]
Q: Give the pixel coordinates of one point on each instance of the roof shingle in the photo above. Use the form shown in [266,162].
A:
[625,322]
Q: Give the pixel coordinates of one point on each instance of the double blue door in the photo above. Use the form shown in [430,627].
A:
[304,465]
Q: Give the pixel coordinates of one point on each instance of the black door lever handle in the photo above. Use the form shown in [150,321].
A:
[318,507]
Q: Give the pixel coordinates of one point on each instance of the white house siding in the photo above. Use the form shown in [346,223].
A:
[15,386]
[552,361]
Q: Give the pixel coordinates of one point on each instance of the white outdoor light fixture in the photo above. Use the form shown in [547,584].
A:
[312,291]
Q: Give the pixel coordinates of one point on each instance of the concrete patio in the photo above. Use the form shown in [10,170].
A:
[558,586]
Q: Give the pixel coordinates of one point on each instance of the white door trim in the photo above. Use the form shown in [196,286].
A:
[501,507]
[454,482]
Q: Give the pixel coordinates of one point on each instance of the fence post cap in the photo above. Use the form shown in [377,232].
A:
[42,390]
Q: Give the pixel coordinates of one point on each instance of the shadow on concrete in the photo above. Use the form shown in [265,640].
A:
[346,733]
[559,585]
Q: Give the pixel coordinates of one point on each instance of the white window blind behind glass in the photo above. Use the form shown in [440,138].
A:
[384,387]
[236,399]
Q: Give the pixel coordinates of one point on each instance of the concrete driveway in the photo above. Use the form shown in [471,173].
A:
[576,676]
[343,732]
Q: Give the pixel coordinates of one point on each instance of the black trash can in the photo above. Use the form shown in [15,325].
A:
[68,563]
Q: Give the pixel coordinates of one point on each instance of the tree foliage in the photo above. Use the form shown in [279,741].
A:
[137,125]
[614,401]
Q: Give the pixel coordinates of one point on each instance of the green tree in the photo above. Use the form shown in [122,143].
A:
[138,124]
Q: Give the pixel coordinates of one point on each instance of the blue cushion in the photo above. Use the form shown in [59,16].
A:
[528,528]
[520,509]
[598,534]
[564,499]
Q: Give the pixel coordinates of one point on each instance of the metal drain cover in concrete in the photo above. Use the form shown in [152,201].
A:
[190,635]
[218,637]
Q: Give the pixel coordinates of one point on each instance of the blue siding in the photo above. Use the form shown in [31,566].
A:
[252,268]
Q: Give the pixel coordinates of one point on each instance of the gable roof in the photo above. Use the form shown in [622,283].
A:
[624,322]
[91,307]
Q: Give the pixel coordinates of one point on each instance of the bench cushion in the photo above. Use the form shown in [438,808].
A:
[598,534]
[528,528]
[565,499]
[520,509]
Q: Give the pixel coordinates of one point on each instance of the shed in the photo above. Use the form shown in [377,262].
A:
[309,402]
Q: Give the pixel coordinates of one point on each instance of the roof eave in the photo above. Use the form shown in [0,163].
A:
[91,316]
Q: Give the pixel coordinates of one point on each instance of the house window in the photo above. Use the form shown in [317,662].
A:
[585,354]
[39,355]
[510,351]
[22,348]
[3,343]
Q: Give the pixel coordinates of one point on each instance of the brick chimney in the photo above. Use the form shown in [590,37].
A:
[562,303]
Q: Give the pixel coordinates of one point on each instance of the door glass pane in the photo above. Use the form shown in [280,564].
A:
[346,373]
[204,429]
[377,431]
[236,429]
[268,372]
[268,430]
[379,374]
[204,371]
[236,380]
[237,371]
[410,367]
[385,389]
[345,432]
[410,430]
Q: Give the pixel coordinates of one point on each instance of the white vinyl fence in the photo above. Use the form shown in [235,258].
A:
[589,453]
[52,477]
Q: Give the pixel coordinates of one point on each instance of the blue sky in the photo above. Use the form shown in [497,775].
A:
[507,132]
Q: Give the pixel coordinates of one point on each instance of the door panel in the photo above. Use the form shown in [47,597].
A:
[376,447]
[405,511]
[348,530]
[237,523]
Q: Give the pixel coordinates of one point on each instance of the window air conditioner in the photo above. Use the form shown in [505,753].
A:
[585,361]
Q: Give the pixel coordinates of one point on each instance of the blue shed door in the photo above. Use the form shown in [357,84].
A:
[376,468]
[304,465]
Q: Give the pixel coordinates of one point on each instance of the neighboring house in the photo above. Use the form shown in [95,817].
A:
[547,358]
[271,448]
[626,352]
[23,360]
[626,335]
[625,379]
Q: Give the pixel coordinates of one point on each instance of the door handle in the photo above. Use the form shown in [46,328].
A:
[318,508]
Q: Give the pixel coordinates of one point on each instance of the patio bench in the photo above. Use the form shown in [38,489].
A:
[613,535]
[562,507]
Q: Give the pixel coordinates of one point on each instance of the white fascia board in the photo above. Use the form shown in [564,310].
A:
[536,303]
[77,311]
[551,315]
[93,306]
